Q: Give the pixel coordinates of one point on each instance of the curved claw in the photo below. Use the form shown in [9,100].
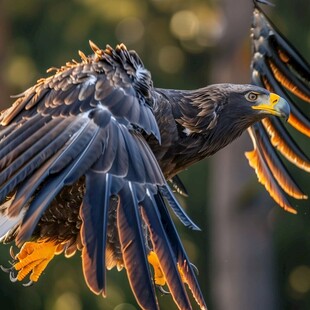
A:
[12,254]
[30,283]
[195,269]
[5,269]
[162,290]
[12,278]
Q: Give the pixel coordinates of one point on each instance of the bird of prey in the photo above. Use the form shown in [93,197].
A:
[87,153]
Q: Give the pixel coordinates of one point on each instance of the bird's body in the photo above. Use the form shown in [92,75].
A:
[85,156]
[187,123]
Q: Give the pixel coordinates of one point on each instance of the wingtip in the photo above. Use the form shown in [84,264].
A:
[89,279]
[262,171]
[290,210]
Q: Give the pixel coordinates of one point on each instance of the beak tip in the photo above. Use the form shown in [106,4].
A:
[286,117]
[287,110]
[283,108]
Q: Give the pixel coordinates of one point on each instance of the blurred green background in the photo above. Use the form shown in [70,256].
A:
[250,253]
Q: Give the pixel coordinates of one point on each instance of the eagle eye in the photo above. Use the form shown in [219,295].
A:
[251,96]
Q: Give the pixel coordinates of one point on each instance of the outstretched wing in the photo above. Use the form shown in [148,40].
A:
[278,66]
[88,120]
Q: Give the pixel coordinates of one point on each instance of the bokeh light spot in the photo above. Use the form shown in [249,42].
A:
[211,26]
[125,306]
[68,301]
[130,30]
[299,279]
[184,25]
[21,71]
[115,10]
[171,59]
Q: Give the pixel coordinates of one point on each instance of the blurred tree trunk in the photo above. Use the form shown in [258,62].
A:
[241,241]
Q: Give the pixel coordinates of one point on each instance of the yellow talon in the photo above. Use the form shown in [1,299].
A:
[159,276]
[34,257]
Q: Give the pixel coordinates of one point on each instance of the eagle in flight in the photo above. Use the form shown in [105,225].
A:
[86,156]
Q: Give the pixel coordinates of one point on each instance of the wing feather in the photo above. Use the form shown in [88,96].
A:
[94,214]
[25,140]
[55,164]
[90,120]
[13,178]
[179,252]
[276,165]
[265,177]
[133,248]
[166,257]
[263,76]
[177,209]
[279,67]
[282,140]
[18,132]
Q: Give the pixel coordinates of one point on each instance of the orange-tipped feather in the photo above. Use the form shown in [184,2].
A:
[284,148]
[281,78]
[257,162]
[294,121]
[276,167]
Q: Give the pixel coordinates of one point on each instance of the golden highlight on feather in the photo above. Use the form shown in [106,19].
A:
[283,147]
[69,64]
[97,50]
[283,80]
[160,279]
[283,56]
[121,46]
[257,163]
[290,189]
[51,69]
[295,122]
[184,272]
[108,50]
[111,260]
[83,57]
[9,114]
[59,248]
[267,84]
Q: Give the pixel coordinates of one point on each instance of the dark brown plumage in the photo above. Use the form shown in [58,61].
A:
[85,155]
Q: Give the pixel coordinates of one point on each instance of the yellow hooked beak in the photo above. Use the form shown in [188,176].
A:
[275,105]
